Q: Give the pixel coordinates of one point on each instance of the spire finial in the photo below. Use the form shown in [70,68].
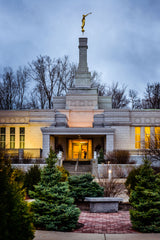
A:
[83,21]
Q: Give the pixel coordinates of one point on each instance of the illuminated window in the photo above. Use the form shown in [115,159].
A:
[12,137]
[22,137]
[157,137]
[147,137]
[2,137]
[137,137]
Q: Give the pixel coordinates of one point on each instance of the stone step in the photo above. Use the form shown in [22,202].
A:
[78,173]
[79,168]
[82,168]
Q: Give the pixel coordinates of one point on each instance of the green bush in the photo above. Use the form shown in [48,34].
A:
[131,179]
[83,186]
[145,200]
[16,219]
[53,207]
[18,176]
[101,156]
[32,177]
[118,157]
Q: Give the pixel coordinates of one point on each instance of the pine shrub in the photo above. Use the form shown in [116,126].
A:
[131,180]
[101,156]
[65,173]
[16,218]
[83,186]
[32,177]
[145,200]
[53,207]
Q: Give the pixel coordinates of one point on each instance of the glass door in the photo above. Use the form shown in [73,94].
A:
[80,151]
[75,153]
[84,151]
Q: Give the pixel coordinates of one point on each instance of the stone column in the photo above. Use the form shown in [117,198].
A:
[46,145]
[109,142]
[52,142]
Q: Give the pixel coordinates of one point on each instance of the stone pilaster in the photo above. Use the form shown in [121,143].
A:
[152,137]
[17,133]
[109,142]
[7,137]
[152,133]
[46,145]
[142,137]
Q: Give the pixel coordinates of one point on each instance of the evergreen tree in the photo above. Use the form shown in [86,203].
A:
[83,186]
[31,178]
[145,199]
[53,207]
[15,217]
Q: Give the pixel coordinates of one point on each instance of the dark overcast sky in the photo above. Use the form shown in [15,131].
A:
[123,36]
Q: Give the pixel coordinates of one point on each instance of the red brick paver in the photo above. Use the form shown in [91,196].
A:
[105,222]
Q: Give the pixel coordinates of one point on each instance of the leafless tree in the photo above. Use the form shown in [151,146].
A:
[96,82]
[152,96]
[53,78]
[119,98]
[134,99]
[153,149]
[47,77]
[21,82]
[8,89]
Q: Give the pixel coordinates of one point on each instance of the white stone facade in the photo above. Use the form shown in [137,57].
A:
[81,114]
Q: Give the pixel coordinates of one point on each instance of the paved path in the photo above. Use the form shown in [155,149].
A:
[105,222]
[100,226]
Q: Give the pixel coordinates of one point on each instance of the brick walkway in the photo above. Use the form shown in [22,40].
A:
[105,222]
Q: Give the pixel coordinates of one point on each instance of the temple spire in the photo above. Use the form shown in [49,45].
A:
[83,76]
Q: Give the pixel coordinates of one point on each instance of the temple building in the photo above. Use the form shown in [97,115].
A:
[80,124]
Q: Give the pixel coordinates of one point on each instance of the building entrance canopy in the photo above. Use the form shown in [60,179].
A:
[76,131]
[70,139]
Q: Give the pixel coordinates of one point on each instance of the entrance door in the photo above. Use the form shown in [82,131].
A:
[80,151]
[75,153]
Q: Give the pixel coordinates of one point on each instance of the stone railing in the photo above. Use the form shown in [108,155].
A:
[26,155]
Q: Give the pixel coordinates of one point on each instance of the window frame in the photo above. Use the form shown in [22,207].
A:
[22,138]
[138,136]
[157,136]
[12,137]
[147,137]
[2,138]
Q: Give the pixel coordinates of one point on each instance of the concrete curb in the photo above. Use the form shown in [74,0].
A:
[51,235]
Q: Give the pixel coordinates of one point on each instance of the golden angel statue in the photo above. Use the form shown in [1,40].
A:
[83,21]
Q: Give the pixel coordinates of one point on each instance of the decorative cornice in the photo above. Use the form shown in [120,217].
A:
[77,131]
